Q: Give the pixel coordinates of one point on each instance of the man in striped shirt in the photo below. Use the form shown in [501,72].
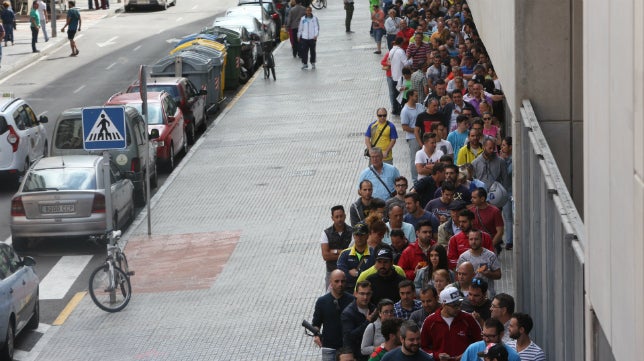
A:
[519,330]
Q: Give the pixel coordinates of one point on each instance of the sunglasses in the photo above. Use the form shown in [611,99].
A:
[382,115]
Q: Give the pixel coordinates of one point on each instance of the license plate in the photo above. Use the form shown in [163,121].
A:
[58,208]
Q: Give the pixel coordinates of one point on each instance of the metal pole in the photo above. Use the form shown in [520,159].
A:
[143,91]
[107,183]
[52,4]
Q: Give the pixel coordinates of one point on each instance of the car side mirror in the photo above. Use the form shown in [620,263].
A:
[154,134]
[28,261]
[43,119]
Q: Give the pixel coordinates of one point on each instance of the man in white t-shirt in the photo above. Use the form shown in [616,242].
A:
[408,116]
[486,264]
[42,11]
[427,156]
[441,143]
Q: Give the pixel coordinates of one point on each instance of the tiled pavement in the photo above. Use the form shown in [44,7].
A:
[267,172]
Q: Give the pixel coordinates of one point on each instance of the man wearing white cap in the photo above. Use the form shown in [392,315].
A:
[447,332]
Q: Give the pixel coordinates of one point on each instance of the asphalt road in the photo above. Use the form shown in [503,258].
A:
[111,51]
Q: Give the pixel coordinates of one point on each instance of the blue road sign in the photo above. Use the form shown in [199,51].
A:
[104,128]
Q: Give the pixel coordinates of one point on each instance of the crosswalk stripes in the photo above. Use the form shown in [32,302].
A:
[62,276]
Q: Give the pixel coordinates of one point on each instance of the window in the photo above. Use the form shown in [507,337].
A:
[69,134]
[3,125]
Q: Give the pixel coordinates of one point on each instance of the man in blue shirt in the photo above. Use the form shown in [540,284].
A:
[492,333]
[381,175]
[73,24]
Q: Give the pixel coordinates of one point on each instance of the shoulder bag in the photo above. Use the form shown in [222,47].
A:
[366,150]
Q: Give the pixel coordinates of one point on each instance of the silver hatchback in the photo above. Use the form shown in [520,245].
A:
[65,196]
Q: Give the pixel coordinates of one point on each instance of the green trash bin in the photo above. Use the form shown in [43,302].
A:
[233,55]
[217,58]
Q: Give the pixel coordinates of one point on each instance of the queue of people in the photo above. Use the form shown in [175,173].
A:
[419,256]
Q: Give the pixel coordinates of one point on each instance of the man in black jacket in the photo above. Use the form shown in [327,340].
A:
[356,317]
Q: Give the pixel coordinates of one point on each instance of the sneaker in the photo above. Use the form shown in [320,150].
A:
[313,65]
[509,246]
[377,52]
[305,66]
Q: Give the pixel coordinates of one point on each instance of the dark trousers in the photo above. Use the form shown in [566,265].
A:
[34,38]
[295,45]
[306,45]
[349,15]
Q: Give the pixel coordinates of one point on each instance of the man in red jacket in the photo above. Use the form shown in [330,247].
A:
[416,255]
[460,243]
[448,341]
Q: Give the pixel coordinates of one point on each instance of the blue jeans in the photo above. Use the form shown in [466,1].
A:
[508,219]
[413,148]
[34,38]
[393,94]
[328,354]
[306,45]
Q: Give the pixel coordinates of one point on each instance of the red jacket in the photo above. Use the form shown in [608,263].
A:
[410,258]
[437,337]
[459,243]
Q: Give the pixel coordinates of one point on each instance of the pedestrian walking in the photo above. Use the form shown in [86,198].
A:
[348,9]
[8,22]
[295,14]
[307,35]
[73,24]
[42,11]
[34,20]
[1,37]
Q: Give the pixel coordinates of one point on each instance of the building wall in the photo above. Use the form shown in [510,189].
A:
[613,177]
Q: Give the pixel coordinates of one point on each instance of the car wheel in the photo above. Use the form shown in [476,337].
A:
[185,143]
[7,349]
[140,196]
[35,318]
[20,243]
[192,136]
[170,162]
[154,179]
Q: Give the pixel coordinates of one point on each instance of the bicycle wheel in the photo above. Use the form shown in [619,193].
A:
[110,299]
[317,4]
[121,262]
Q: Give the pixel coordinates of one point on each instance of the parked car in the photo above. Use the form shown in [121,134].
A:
[133,161]
[19,304]
[23,137]
[165,123]
[251,49]
[272,9]
[251,24]
[191,101]
[65,196]
[130,5]
[259,13]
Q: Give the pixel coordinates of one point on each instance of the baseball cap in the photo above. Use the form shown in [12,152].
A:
[361,229]
[456,205]
[494,350]
[450,295]
[385,253]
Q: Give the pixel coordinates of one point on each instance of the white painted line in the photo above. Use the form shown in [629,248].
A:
[137,48]
[194,7]
[61,277]
[111,66]
[178,19]
[79,89]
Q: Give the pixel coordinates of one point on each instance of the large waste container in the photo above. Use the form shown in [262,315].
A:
[218,54]
[233,55]
[220,38]
[218,60]
[194,66]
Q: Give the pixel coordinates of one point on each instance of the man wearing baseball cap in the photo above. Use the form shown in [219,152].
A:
[447,332]
[353,260]
[385,281]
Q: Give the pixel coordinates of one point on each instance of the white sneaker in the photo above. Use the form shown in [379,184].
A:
[305,66]
[313,65]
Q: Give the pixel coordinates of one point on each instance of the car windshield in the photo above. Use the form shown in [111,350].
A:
[247,22]
[60,179]
[69,134]
[255,11]
[154,112]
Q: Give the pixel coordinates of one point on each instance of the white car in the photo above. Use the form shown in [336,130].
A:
[129,5]
[23,138]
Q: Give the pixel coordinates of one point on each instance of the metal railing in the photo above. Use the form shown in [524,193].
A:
[549,251]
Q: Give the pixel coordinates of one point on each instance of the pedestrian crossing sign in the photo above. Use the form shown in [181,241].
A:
[104,128]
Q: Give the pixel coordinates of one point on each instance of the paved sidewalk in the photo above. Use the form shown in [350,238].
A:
[243,213]
[19,55]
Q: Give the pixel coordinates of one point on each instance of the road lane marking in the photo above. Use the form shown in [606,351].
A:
[178,19]
[109,42]
[79,89]
[137,48]
[71,305]
[110,67]
[62,276]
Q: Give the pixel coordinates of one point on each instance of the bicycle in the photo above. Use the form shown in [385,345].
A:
[318,4]
[269,61]
[109,284]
